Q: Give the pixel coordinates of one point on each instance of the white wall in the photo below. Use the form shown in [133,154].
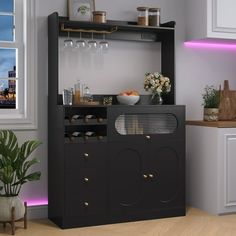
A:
[194,67]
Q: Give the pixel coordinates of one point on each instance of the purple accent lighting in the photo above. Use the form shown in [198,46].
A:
[211,45]
[36,202]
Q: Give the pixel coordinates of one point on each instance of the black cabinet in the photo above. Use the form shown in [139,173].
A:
[136,172]
[116,163]
[147,175]
[146,180]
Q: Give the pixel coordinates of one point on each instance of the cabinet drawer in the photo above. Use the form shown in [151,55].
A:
[85,155]
[85,193]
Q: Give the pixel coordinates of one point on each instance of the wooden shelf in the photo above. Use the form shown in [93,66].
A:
[121,25]
[216,124]
[122,30]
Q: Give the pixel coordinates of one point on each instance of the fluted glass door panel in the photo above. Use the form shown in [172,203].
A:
[144,124]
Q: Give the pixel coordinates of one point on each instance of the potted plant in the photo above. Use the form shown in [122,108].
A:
[14,167]
[211,101]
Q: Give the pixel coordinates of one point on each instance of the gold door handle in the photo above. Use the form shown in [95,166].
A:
[86,204]
[151,176]
[145,176]
[86,180]
[148,137]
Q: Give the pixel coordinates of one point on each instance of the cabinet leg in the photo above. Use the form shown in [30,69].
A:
[25,216]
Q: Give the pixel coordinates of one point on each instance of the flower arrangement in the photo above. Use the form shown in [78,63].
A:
[157,83]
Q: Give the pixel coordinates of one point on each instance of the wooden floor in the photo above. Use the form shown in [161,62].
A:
[195,223]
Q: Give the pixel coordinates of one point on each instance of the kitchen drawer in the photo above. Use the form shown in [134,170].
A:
[85,193]
[85,155]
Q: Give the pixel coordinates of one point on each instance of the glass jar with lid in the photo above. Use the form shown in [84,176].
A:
[99,16]
[142,16]
[154,16]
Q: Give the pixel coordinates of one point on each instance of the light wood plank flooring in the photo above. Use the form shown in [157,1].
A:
[195,223]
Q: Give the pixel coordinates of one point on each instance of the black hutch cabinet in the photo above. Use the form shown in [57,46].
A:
[131,166]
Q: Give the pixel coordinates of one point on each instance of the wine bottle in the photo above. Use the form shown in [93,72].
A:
[75,117]
[88,117]
[90,134]
[100,119]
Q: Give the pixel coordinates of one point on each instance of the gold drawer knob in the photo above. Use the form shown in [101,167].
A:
[86,204]
[148,137]
[86,154]
[86,180]
[151,176]
[145,176]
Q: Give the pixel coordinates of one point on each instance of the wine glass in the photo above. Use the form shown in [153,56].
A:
[92,44]
[104,45]
[68,42]
[80,43]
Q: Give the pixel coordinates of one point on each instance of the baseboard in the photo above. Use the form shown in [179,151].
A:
[37,212]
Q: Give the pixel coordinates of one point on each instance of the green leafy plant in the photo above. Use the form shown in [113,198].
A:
[211,97]
[14,163]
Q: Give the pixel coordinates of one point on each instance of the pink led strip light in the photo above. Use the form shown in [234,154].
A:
[213,45]
[36,202]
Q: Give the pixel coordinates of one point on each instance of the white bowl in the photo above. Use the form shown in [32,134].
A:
[128,100]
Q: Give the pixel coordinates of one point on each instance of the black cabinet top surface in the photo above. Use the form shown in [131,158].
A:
[121,25]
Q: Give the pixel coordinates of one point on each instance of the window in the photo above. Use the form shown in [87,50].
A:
[17,64]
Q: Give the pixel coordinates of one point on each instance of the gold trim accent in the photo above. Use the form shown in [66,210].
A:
[112,30]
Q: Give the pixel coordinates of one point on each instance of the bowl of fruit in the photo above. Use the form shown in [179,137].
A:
[129,97]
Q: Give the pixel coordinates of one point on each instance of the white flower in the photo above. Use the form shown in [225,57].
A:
[157,83]
[156,74]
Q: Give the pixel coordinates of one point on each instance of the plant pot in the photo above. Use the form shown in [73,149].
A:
[211,114]
[6,204]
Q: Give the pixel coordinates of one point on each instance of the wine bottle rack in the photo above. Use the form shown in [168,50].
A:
[85,124]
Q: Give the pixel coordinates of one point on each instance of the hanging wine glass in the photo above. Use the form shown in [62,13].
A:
[80,43]
[92,44]
[104,45]
[68,42]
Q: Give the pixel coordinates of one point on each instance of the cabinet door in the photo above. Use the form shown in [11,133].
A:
[227,174]
[127,179]
[224,16]
[135,125]
[167,171]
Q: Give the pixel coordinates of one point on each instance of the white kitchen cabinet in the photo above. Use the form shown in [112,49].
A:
[211,168]
[208,19]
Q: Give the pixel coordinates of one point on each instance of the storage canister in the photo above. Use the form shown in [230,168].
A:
[154,16]
[99,16]
[142,16]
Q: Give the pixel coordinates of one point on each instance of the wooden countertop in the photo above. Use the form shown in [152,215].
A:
[217,124]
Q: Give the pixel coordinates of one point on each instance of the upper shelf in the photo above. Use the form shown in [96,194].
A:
[118,30]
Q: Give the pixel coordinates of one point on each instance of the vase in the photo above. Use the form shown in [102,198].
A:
[6,204]
[157,99]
